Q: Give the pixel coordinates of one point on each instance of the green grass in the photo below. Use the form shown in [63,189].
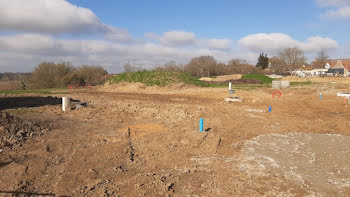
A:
[37,91]
[262,78]
[163,78]
[159,78]
[294,83]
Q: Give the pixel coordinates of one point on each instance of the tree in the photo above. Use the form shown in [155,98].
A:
[44,75]
[93,75]
[51,75]
[237,62]
[292,58]
[320,60]
[201,66]
[170,66]
[61,71]
[276,65]
[263,61]
[129,67]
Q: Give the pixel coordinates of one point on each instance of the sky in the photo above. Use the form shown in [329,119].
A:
[147,33]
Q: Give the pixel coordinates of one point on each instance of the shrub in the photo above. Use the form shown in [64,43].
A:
[89,75]
[51,75]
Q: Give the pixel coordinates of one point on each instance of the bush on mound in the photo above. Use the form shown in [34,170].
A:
[159,78]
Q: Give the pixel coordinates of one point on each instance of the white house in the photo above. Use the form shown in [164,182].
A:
[308,71]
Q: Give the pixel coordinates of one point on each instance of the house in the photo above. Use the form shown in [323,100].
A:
[308,71]
[336,71]
[339,67]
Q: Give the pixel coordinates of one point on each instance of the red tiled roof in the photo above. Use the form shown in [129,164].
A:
[344,62]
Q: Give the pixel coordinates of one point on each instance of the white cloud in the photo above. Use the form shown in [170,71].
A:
[317,43]
[266,42]
[47,16]
[214,43]
[152,36]
[276,41]
[23,52]
[328,3]
[55,17]
[118,34]
[340,9]
[27,42]
[174,38]
[183,38]
[342,12]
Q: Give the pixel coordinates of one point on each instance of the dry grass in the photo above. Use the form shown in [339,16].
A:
[338,80]
[10,85]
[222,78]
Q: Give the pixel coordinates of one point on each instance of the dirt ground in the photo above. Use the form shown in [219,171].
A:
[133,140]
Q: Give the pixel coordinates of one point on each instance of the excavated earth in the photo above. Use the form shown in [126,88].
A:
[132,140]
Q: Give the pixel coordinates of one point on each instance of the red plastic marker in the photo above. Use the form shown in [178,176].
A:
[276,92]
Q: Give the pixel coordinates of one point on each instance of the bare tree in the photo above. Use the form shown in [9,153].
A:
[51,75]
[128,67]
[170,66]
[320,60]
[237,62]
[292,58]
[93,75]
[44,75]
[276,65]
[201,66]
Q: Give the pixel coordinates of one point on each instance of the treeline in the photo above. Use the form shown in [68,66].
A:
[9,76]
[205,66]
[52,75]
[287,59]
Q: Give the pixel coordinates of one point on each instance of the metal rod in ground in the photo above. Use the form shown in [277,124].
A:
[201,124]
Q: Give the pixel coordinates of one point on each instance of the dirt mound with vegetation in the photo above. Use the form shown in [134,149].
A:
[14,130]
[159,78]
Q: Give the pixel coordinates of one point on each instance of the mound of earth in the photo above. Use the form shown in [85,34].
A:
[14,130]
[318,163]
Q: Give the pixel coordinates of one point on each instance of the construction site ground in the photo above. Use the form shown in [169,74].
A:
[133,140]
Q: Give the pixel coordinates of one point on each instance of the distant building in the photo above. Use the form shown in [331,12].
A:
[339,67]
[308,71]
[336,71]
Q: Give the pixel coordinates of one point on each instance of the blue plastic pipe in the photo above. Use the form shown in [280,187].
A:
[320,95]
[270,109]
[201,122]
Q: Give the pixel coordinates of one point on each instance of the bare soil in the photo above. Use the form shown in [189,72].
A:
[10,85]
[133,140]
